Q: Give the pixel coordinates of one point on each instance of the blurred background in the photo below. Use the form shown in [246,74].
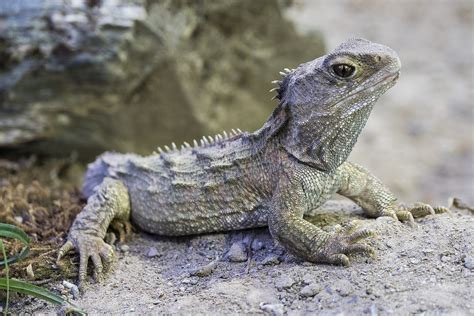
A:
[78,77]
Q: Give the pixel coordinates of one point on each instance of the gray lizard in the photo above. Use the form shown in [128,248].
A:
[271,177]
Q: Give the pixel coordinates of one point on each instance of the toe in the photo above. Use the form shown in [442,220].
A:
[339,259]
[361,234]
[406,216]
[83,261]
[441,210]
[96,259]
[107,254]
[422,209]
[389,213]
[68,246]
[360,248]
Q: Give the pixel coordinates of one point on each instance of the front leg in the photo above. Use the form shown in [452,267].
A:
[304,239]
[359,185]
[109,202]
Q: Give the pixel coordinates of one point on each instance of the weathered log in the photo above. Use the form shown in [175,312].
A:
[87,76]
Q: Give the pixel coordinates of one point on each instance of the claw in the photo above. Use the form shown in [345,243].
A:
[68,246]
[406,216]
[124,229]
[441,210]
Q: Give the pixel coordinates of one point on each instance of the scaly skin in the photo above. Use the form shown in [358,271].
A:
[292,165]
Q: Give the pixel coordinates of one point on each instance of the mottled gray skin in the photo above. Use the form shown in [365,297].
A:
[292,165]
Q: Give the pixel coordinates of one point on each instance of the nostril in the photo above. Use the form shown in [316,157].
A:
[378,58]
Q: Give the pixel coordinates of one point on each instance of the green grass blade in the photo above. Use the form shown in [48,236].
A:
[30,289]
[38,292]
[7,279]
[11,231]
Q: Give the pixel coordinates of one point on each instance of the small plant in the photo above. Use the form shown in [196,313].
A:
[7,284]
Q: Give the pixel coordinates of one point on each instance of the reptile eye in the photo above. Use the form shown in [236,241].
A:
[343,70]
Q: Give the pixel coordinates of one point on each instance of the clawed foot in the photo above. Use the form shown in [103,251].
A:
[404,213]
[89,247]
[345,243]
[122,227]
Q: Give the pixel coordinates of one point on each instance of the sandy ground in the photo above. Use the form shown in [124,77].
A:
[419,141]
[418,270]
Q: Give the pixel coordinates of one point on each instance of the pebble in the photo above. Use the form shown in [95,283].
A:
[237,252]
[427,251]
[307,279]
[469,262]
[415,260]
[272,309]
[271,259]
[205,270]
[284,282]
[152,252]
[73,288]
[445,258]
[257,245]
[124,248]
[29,272]
[310,290]
[344,288]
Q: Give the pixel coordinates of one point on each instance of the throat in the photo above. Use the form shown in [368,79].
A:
[325,142]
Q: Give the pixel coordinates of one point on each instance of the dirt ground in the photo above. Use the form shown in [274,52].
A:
[419,140]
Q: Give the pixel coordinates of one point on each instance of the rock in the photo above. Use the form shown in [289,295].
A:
[73,288]
[469,262]
[307,279]
[186,281]
[124,248]
[310,290]
[71,77]
[152,252]
[204,271]
[284,282]
[273,309]
[29,272]
[271,259]
[344,287]
[415,260]
[257,245]
[237,252]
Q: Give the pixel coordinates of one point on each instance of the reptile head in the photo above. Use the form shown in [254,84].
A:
[325,103]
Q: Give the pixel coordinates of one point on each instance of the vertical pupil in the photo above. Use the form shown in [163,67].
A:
[343,70]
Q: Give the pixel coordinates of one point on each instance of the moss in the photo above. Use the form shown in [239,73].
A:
[42,199]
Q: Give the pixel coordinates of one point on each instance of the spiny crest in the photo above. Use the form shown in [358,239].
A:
[281,83]
[204,142]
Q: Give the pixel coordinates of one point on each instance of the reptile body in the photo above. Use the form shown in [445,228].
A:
[292,165]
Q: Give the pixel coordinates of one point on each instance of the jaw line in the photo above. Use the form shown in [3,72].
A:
[389,79]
